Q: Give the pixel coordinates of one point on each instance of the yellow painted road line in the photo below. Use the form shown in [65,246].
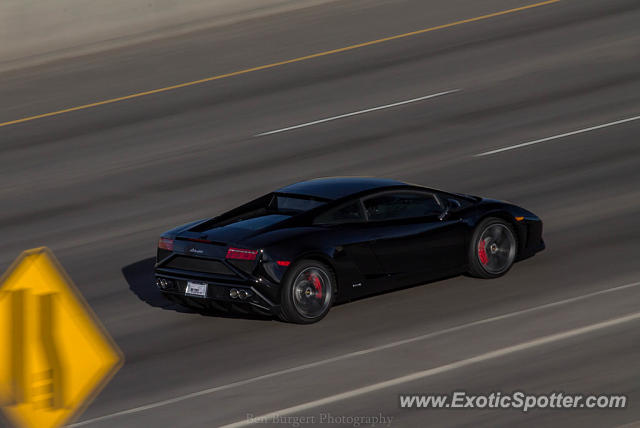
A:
[277,64]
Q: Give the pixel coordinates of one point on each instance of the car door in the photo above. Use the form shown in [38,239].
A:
[413,241]
[345,227]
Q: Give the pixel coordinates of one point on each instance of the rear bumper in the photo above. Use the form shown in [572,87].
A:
[218,292]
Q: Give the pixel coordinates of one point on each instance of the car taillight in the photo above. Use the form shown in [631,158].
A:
[166,244]
[241,254]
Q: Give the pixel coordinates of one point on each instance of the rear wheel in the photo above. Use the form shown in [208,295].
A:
[493,248]
[308,292]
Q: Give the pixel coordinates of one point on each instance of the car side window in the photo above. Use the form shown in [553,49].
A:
[400,205]
[347,213]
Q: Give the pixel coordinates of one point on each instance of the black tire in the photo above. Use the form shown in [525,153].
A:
[308,292]
[493,248]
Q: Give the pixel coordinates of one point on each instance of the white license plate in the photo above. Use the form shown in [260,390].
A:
[198,289]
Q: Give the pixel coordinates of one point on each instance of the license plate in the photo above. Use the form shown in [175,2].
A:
[198,289]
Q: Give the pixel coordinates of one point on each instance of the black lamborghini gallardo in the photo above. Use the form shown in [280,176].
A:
[296,251]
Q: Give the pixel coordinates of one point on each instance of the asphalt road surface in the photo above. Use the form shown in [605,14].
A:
[97,185]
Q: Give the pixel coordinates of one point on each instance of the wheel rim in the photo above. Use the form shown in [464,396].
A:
[496,248]
[312,292]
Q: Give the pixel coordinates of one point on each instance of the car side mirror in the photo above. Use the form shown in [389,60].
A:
[453,204]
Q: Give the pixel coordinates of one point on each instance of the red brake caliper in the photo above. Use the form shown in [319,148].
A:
[318,286]
[482,253]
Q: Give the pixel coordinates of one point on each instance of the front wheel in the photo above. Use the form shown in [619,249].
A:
[308,292]
[493,248]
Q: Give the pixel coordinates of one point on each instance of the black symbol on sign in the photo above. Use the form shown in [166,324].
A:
[43,388]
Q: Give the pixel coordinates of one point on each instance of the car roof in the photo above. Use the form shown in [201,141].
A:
[338,187]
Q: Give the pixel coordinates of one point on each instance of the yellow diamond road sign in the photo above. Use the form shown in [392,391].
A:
[55,354]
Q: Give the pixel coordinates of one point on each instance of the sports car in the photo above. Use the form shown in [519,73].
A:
[295,252]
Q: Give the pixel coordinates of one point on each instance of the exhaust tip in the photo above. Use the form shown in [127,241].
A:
[244,294]
[233,293]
